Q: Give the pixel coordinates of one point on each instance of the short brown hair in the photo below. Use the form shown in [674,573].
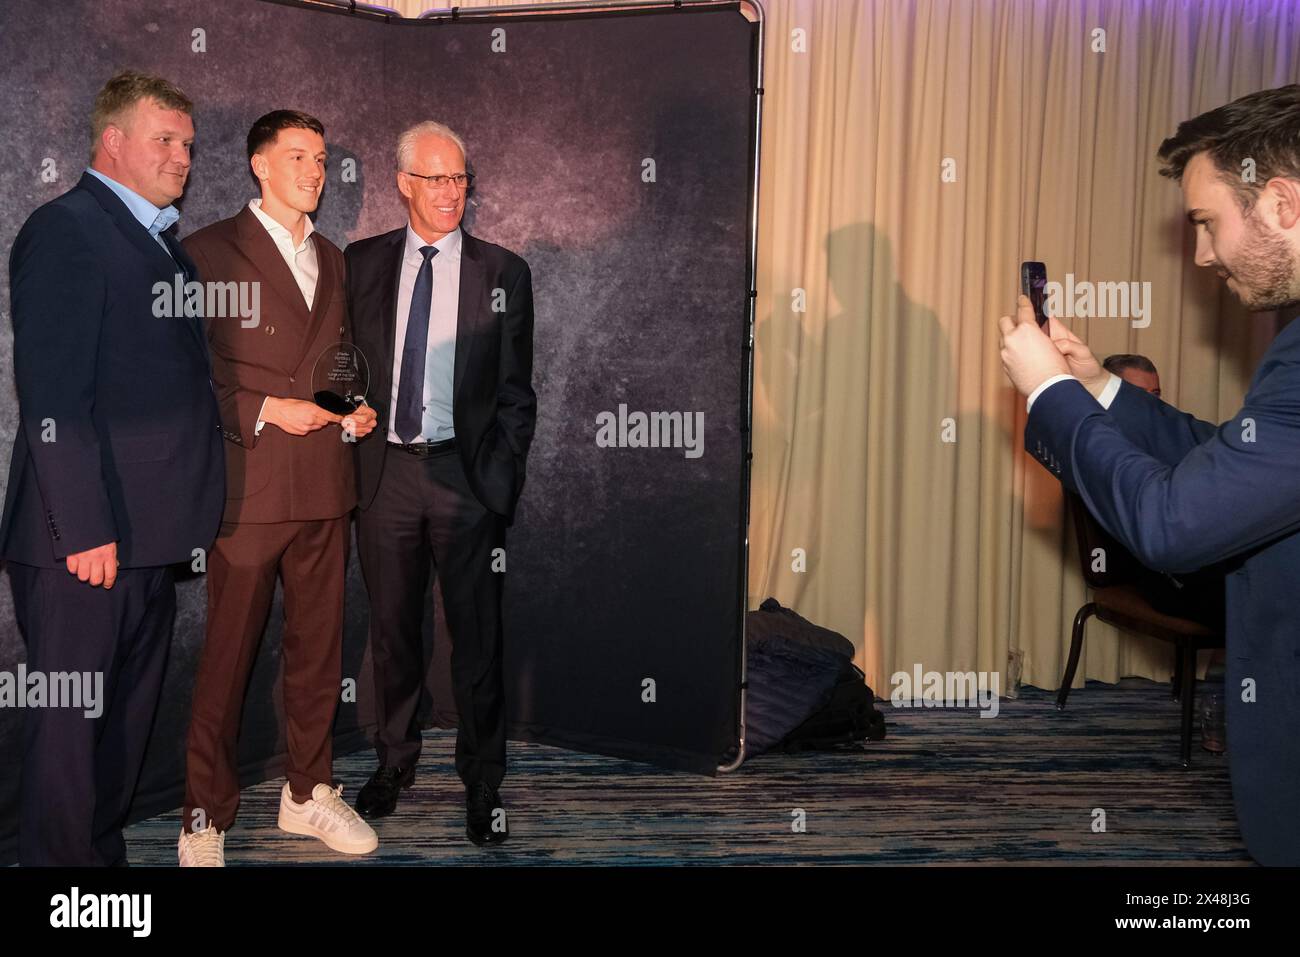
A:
[1126,360]
[125,90]
[266,128]
[1263,127]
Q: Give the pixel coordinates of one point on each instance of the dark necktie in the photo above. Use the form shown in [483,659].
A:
[410,386]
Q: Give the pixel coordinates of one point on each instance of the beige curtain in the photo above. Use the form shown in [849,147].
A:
[914,152]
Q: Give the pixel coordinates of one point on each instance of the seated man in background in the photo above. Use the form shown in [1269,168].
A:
[1135,370]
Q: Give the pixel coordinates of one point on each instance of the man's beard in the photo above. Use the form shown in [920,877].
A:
[1267,274]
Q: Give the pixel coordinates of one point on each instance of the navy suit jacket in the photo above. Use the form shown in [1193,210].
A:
[1180,494]
[136,456]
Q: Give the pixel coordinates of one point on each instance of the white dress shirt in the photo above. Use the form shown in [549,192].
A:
[300,259]
[440,359]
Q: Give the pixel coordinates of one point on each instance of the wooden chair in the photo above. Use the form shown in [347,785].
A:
[1121,598]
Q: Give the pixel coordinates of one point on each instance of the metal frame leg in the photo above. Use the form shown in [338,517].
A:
[1076,646]
[1187,665]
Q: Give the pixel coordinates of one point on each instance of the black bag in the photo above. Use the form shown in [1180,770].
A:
[849,716]
[804,691]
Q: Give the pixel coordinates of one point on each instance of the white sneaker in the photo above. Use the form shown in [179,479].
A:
[206,848]
[327,816]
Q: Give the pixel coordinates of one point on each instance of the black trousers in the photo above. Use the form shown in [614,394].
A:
[424,517]
[79,772]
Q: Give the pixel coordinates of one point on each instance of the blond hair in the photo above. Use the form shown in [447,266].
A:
[124,91]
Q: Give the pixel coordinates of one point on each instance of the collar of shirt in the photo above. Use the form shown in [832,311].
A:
[277,229]
[448,247]
[146,213]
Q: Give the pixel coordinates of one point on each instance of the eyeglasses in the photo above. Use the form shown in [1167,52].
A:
[439,180]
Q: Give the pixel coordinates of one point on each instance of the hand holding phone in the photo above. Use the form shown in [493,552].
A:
[1083,364]
[1030,360]
[1033,283]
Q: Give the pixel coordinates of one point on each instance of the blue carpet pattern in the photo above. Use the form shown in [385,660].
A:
[944,787]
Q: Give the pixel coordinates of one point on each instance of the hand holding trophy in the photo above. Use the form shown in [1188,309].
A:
[339,382]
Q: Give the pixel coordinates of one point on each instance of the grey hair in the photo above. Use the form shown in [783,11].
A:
[406,142]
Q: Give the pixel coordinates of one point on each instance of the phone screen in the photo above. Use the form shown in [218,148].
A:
[1033,283]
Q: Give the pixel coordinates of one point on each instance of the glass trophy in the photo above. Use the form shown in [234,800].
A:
[340,379]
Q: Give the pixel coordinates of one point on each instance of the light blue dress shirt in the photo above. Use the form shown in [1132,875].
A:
[440,359]
[150,216]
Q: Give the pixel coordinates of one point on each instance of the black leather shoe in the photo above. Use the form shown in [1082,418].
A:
[379,796]
[485,817]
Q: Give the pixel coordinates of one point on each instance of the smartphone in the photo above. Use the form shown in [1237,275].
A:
[1033,283]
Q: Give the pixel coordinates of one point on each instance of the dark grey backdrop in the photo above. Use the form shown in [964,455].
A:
[624,564]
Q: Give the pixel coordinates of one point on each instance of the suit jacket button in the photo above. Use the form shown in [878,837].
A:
[270,330]
[340,330]
[292,379]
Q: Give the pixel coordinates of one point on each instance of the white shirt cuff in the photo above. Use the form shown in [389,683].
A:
[1112,389]
[1029,404]
[260,423]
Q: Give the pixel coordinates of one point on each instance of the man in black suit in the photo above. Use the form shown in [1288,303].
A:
[446,321]
[117,466]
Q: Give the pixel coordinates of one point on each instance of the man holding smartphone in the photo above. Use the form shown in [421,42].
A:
[1181,493]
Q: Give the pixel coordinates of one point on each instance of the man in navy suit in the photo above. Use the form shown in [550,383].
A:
[1181,493]
[117,468]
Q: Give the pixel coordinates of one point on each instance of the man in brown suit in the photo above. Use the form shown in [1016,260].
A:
[290,492]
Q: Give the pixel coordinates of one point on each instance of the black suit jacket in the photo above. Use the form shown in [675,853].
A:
[136,454]
[494,408]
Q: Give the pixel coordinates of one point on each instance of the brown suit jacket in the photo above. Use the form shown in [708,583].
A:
[274,476]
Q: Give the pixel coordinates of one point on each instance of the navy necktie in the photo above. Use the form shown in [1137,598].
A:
[410,386]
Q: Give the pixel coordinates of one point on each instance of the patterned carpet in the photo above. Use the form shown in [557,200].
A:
[944,787]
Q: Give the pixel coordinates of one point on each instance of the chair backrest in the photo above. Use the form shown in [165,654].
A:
[1120,567]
